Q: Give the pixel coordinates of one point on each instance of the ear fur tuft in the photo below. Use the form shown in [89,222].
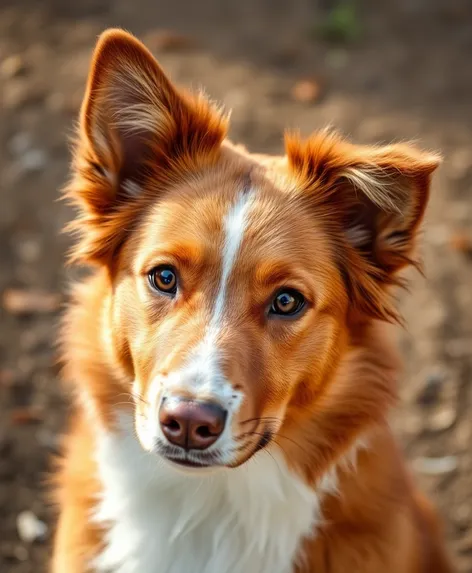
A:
[374,198]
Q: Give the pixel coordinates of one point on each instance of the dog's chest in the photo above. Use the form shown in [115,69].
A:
[248,520]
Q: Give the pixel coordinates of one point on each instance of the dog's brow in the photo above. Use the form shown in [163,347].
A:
[185,253]
[269,273]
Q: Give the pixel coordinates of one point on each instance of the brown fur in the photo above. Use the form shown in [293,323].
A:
[335,220]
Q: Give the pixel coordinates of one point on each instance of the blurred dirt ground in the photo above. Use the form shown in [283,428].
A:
[405,72]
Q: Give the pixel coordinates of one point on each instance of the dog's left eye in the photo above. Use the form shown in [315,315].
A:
[288,302]
[163,279]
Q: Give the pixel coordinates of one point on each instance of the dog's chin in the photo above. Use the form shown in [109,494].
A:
[191,468]
[189,462]
[194,468]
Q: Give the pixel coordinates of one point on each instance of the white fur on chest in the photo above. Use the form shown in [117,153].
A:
[245,520]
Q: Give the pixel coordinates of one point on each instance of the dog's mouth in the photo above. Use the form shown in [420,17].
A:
[187,463]
[215,459]
[264,440]
[190,459]
[248,450]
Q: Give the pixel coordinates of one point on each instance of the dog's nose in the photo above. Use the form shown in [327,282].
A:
[191,424]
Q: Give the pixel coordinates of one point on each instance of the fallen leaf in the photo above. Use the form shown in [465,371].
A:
[306,91]
[168,40]
[7,377]
[22,301]
[25,415]
[462,243]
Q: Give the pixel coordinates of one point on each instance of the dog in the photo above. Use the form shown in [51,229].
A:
[229,355]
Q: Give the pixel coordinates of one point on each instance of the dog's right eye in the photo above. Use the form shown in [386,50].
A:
[287,303]
[163,279]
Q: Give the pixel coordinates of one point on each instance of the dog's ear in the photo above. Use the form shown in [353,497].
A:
[137,130]
[372,199]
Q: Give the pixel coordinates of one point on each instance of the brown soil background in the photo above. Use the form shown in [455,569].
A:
[408,75]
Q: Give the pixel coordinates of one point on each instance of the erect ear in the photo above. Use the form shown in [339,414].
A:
[373,199]
[135,127]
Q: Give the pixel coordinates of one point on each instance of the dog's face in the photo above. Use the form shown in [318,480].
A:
[234,283]
[230,298]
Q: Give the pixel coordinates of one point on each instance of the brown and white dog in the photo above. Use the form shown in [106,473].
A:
[232,374]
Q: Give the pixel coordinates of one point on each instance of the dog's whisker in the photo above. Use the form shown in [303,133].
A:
[261,419]
[276,436]
[130,403]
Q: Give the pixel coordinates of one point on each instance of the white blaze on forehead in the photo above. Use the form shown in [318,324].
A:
[205,361]
[202,374]
[234,228]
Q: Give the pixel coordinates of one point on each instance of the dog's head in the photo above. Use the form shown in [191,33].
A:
[236,283]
